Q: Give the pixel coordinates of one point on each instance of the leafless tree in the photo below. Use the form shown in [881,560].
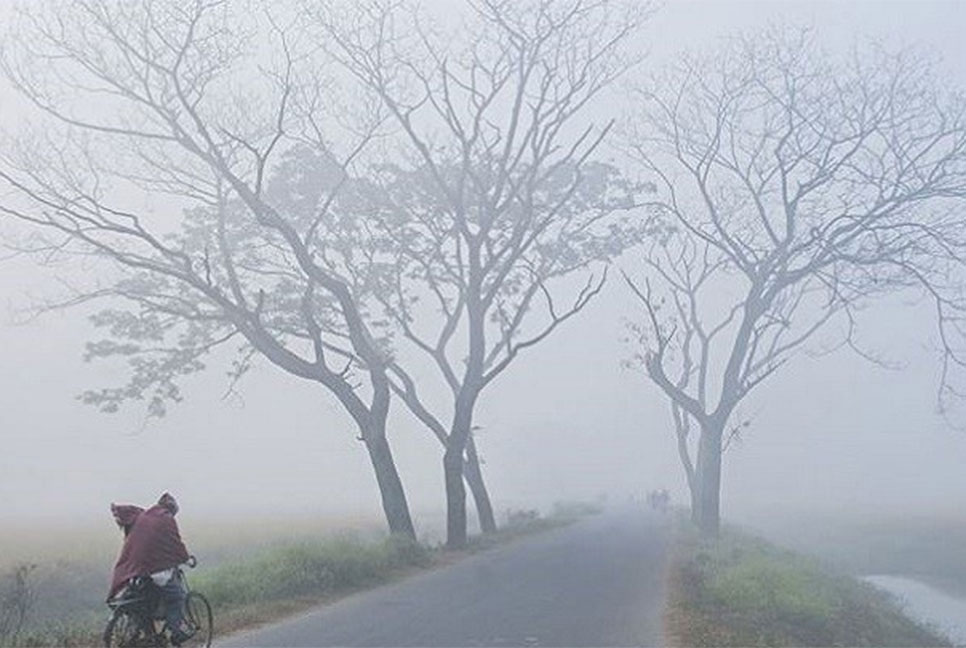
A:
[795,189]
[191,105]
[370,260]
[498,196]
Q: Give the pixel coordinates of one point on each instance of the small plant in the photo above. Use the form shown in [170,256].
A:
[16,601]
[515,518]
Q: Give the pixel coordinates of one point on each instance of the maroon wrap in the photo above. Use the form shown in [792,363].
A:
[152,543]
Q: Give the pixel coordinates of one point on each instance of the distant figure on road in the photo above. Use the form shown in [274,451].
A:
[153,547]
[659,500]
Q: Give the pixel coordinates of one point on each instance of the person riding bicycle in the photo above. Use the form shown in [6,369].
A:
[153,547]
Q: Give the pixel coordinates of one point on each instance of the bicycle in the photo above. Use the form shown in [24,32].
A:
[138,617]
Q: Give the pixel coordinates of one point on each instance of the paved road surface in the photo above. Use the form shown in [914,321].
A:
[599,582]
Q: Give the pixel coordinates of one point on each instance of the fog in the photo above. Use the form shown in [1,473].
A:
[832,434]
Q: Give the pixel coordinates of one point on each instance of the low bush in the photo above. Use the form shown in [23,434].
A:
[17,598]
[521,517]
[575,509]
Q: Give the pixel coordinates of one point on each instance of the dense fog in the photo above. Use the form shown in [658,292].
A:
[569,420]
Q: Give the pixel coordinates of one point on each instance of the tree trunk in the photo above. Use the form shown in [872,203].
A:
[682,424]
[455,496]
[694,489]
[708,510]
[394,503]
[456,445]
[471,465]
[474,479]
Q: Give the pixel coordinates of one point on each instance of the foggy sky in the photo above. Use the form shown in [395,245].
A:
[566,421]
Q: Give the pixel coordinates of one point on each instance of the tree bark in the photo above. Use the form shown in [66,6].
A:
[394,503]
[694,490]
[696,508]
[474,479]
[456,444]
[708,510]
[682,426]
[471,466]
[455,497]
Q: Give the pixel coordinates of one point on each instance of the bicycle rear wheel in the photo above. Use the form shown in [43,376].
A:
[122,631]
[198,612]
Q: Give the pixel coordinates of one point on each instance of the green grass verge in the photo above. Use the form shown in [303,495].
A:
[928,548]
[743,591]
[308,568]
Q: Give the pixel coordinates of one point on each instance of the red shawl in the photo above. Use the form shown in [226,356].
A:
[152,543]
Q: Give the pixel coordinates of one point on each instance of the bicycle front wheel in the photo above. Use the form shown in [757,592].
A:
[199,615]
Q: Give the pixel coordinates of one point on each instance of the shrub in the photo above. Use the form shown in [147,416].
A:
[516,518]
[16,601]
[569,510]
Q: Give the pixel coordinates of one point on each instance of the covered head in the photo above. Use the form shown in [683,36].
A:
[168,501]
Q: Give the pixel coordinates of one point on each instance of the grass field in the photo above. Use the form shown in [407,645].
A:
[744,591]
[929,547]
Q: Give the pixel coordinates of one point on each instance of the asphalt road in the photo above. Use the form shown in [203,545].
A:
[599,582]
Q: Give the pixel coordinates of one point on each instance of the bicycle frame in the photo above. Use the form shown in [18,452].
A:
[147,606]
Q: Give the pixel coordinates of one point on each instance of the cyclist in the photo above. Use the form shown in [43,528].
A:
[153,547]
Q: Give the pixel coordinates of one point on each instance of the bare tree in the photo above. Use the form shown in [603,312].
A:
[433,274]
[795,190]
[193,105]
[498,196]
[370,259]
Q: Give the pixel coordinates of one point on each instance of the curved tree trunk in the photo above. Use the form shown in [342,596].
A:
[394,503]
[682,425]
[694,491]
[474,479]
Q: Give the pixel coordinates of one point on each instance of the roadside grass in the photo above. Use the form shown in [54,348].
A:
[744,591]
[285,580]
[280,578]
[927,547]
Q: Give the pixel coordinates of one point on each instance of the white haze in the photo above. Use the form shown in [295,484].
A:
[830,434]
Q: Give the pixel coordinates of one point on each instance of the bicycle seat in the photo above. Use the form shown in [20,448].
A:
[138,591]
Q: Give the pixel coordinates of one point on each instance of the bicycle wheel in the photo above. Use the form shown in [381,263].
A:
[198,612]
[122,631]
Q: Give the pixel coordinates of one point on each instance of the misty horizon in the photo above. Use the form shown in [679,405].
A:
[281,446]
